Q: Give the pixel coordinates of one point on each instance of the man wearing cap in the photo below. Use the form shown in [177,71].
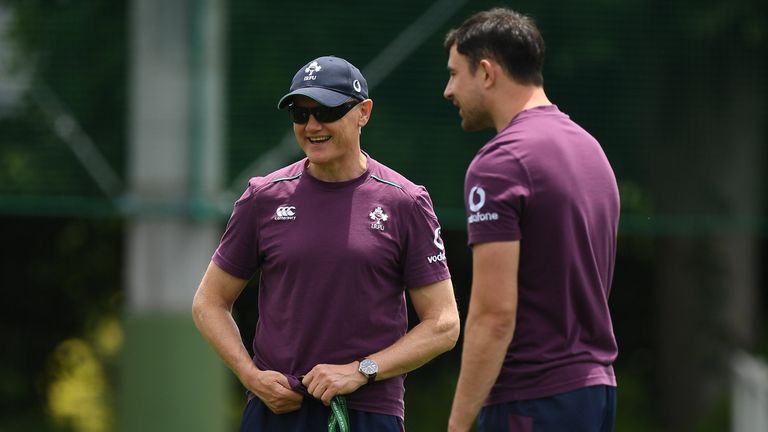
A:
[338,239]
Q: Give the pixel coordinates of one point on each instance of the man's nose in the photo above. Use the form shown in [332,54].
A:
[312,123]
[448,92]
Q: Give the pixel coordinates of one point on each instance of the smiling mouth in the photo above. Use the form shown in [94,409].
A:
[319,139]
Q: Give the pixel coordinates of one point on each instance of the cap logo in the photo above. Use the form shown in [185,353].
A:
[328,80]
[311,70]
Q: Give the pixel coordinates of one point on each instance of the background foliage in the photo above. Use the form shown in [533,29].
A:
[659,84]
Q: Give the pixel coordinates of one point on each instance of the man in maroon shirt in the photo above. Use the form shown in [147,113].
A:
[542,216]
[338,239]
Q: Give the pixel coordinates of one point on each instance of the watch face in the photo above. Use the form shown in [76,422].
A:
[368,367]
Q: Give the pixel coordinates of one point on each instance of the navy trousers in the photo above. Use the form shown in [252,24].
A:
[312,417]
[590,409]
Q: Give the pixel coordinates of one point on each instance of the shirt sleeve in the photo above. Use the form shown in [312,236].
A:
[496,190]
[424,261]
[238,251]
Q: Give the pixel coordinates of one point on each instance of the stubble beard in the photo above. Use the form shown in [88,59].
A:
[473,121]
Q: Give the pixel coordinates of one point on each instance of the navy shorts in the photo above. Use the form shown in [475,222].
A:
[312,417]
[590,409]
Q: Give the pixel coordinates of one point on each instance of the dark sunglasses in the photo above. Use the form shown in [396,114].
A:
[321,113]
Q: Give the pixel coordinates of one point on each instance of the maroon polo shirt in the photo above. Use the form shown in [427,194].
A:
[335,259]
[546,182]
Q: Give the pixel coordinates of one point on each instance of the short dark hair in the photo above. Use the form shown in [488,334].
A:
[506,36]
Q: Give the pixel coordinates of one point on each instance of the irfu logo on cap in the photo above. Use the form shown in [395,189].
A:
[311,69]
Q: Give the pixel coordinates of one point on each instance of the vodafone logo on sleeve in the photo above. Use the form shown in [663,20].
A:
[475,202]
[439,244]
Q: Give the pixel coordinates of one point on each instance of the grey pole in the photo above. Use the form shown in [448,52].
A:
[170,379]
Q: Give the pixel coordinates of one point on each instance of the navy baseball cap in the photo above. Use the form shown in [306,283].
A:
[329,80]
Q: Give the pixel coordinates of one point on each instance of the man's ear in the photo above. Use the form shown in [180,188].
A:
[489,70]
[366,107]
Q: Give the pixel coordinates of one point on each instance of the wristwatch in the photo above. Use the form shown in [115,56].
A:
[369,368]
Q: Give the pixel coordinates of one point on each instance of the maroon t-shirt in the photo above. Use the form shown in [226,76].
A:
[546,182]
[335,259]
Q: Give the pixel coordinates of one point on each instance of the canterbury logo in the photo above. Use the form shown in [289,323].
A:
[285,213]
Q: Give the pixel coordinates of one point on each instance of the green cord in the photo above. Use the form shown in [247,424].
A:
[339,416]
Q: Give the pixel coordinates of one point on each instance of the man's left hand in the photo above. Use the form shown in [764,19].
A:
[325,381]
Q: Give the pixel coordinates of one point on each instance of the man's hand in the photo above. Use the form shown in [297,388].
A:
[461,421]
[325,381]
[274,390]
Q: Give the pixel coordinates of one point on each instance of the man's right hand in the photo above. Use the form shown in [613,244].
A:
[274,390]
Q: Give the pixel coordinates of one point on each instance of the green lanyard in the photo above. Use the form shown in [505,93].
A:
[339,416]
